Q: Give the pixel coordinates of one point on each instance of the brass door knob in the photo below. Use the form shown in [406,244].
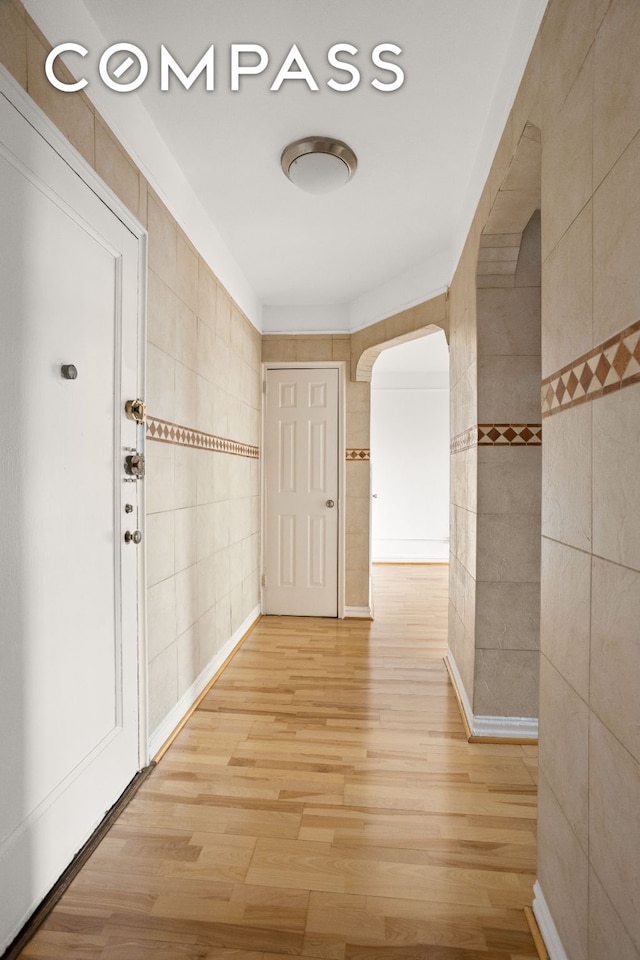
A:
[330,503]
[135,537]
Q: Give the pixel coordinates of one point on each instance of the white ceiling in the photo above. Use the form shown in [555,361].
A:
[423,151]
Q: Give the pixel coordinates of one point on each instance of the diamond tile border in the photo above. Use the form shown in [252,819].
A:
[498,435]
[358,453]
[166,432]
[612,365]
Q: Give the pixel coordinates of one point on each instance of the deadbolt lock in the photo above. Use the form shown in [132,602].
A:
[134,465]
[136,410]
[135,537]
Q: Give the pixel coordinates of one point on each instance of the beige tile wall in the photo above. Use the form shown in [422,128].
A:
[582,89]
[203,365]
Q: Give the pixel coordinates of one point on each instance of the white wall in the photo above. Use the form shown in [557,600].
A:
[410,460]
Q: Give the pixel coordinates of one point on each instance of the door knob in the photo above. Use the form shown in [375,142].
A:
[330,503]
[135,537]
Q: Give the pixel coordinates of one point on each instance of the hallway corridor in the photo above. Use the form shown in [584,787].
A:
[321,803]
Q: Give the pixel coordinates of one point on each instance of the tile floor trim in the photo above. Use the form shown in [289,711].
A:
[497,435]
[164,431]
[610,366]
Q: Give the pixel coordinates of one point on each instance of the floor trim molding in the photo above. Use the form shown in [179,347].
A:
[489,729]
[163,737]
[546,925]
[357,613]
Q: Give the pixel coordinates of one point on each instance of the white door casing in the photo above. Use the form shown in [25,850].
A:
[70,287]
[301,491]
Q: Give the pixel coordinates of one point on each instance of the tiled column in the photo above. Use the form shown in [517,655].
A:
[509,481]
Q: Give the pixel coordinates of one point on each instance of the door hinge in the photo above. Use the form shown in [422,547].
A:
[263,579]
[264,386]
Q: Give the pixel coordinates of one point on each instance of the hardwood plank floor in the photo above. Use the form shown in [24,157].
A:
[322,802]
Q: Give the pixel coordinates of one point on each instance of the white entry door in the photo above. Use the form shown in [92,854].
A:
[301,495]
[69,629]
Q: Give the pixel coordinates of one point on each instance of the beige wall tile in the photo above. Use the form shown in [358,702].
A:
[616,247]
[186,588]
[508,548]
[163,238]
[566,476]
[509,390]
[205,361]
[223,621]
[187,273]
[464,401]
[616,107]
[358,429]
[208,306]
[567,160]
[357,515]
[464,532]
[186,529]
[188,648]
[530,259]
[159,477]
[207,638]
[616,477]
[563,873]
[565,612]
[13,40]
[186,336]
[564,748]
[615,651]
[509,322]
[160,387]
[186,477]
[507,615]
[186,386]
[357,479]
[222,578]
[163,685]
[506,683]
[463,479]
[161,616]
[206,543]
[614,823]
[116,168]
[160,547]
[161,315]
[510,480]
[567,300]
[71,112]
[607,935]
[206,584]
[566,36]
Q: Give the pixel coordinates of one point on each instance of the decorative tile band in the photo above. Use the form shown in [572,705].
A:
[359,453]
[498,435]
[166,432]
[612,365]
[464,441]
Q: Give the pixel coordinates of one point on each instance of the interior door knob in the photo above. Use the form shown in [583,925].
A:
[135,537]
[330,503]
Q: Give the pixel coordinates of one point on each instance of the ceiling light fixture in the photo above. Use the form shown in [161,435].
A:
[318,164]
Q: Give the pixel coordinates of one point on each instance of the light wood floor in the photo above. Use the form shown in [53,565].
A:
[321,803]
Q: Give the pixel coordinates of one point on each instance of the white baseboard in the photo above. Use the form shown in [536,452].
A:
[518,728]
[547,927]
[358,613]
[162,733]
[409,551]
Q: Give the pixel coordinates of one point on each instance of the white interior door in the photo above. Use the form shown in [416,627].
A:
[69,634]
[301,492]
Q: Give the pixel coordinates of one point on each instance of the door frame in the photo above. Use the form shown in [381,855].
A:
[31,112]
[340,366]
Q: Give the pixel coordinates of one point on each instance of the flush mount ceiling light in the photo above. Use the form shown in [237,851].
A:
[318,164]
